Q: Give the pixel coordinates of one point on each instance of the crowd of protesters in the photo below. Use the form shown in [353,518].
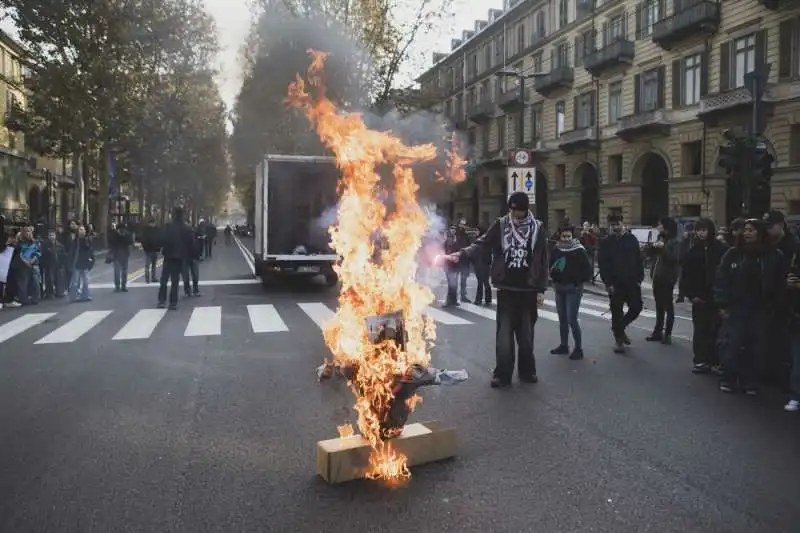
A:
[56,263]
[743,283]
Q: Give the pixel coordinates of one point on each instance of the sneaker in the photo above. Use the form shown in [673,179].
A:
[160,305]
[793,406]
[498,383]
[576,355]
[701,368]
[716,369]
[533,378]
[726,387]
[667,340]
[625,339]
[562,349]
[619,345]
[655,337]
[13,304]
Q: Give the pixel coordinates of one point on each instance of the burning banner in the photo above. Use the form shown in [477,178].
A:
[380,337]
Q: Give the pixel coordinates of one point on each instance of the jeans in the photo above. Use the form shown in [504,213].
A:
[170,272]
[705,321]
[568,304]
[516,316]
[79,285]
[665,308]
[51,280]
[120,272]
[624,294]
[794,343]
[190,268]
[28,287]
[150,260]
[484,291]
[743,343]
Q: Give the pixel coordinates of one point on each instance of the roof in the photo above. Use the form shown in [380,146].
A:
[13,44]
[504,17]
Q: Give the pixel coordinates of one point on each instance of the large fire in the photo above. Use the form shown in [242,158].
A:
[376,279]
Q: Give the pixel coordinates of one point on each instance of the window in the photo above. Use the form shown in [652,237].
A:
[501,132]
[537,62]
[486,91]
[541,29]
[563,13]
[561,113]
[559,56]
[744,59]
[789,49]
[584,110]
[473,65]
[614,102]
[486,185]
[487,57]
[794,144]
[616,29]
[521,37]
[691,158]
[649,89]
[615,168]
[692,79]
[561,179]
[584,45]
[647,15]
[485,138]
[537,121]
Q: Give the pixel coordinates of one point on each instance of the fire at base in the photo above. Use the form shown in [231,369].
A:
[375,280]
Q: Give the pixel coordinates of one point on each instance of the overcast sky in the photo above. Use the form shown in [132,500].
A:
[233,22]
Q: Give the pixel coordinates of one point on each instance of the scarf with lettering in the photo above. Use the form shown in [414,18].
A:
[519,231]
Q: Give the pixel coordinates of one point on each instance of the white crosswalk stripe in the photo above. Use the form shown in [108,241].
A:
[141,326]
[265,319]
[205,322]
[75,328]
[22,324]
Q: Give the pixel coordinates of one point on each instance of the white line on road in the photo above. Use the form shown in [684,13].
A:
[265,319]
[491,313]
[75,328]
[446,318]
[205,321]
[203,283]
[317,312]
[248,257]
[21,324]
[141,326]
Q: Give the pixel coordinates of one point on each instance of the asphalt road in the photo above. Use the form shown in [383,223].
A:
[202,425]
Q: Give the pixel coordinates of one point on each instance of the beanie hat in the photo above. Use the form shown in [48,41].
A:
[519,200]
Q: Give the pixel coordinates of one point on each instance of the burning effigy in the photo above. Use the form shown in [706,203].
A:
[380,338]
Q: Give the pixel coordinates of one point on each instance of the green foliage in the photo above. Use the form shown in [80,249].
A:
[133,77]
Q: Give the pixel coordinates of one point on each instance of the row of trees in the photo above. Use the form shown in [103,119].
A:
[132,81]
[369,42]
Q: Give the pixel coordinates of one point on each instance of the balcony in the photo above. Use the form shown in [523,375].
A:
[700,18]
[617,53]
[632,127]
[734,101]
[14,121]
[772,5]
[511,99]
[481,111]
[558,78]
[578,140]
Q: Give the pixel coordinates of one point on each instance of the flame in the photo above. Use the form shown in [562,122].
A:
[375,279]
[345,430]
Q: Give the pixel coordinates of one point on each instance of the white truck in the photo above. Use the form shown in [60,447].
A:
[295,205]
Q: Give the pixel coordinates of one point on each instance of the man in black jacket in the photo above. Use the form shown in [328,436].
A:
[191,267]
[177,246]
[150,240]
[698,268]
[622,272]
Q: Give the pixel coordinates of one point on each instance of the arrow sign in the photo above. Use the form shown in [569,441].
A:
[528,181]
[514,177]
[521,179]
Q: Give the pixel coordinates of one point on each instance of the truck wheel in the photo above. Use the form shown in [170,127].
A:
[331,279]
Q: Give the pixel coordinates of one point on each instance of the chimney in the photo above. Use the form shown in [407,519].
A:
[480,25]
[438,56]
[455,43]
[466,35]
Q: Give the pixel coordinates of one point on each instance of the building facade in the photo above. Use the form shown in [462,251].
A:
[623,105]
[32,188]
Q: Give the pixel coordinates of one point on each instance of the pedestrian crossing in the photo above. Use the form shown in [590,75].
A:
[208,321]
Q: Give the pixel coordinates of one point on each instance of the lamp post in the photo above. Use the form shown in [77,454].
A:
[48,176]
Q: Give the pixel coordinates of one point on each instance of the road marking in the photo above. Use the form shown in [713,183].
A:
[203,283]
[140,272]
[248,257]
[141,326]
[445,318]
[491,313]
[21,324]
[205,321]
[265,319]
[75,328]
[319,313]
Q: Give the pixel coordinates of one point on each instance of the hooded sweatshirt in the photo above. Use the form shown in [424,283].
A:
[569,265]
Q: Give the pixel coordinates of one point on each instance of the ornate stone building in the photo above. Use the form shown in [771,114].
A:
[622,104]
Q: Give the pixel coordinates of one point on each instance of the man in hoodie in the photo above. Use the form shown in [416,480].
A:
[622,272]
[698,268]
[778,357]
[666,267]
[178,243]
[518,244]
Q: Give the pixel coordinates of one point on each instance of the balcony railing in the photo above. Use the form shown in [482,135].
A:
[730,100]
[703,17]
[619,52]
[511,98]
[577,139]
[656,122]
[481,111]
[558,78]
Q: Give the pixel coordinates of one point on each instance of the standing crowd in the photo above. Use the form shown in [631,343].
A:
[743,284]
[54,263]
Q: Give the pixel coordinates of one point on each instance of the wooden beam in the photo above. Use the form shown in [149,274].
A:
[346,459]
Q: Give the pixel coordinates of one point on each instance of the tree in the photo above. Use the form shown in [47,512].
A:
[98,70]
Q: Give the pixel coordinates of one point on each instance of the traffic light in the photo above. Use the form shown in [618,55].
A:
[761,163]
[730,153]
